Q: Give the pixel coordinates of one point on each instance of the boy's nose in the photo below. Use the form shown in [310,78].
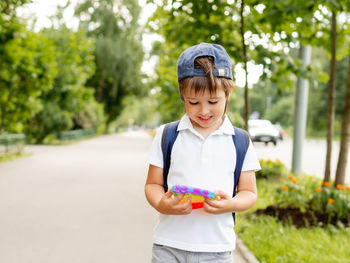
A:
[204,110]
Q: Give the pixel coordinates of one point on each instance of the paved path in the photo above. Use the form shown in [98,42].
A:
[80,203]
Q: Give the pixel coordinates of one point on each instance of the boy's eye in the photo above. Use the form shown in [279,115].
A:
[193,103]
[213,102]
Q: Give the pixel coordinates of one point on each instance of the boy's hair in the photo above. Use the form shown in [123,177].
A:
[209,82]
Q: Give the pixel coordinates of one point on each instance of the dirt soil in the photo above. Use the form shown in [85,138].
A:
[299,219]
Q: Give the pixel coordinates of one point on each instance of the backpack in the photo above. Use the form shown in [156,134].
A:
[240,140]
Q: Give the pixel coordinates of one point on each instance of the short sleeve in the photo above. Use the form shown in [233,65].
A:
[251,161]
[155,155]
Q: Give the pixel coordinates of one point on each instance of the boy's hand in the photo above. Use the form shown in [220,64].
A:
[171,206]
[223,205]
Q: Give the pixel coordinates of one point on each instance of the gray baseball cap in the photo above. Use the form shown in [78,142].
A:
[222,61]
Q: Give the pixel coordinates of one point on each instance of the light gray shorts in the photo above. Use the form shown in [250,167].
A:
[164,254]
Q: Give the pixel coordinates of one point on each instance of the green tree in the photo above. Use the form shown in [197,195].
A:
[345,137]
[273,102]
[27,69]
[332,40]
[245,63]
[345,125]
[185,23]
[8,11]
[69,104]
[314,29]
[138,111]
[118,51]
[165,89]
[331,96]
[260,32]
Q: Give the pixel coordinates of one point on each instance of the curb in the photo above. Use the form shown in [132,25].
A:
[247,255]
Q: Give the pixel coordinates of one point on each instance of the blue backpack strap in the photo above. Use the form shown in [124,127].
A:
[241,141]
[169,136]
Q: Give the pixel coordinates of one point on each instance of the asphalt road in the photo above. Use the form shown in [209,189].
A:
[78,203]
[313,156]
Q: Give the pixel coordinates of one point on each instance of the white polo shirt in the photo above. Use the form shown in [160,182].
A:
[205,163]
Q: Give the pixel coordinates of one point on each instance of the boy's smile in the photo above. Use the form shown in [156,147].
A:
[204,120]
[205,110]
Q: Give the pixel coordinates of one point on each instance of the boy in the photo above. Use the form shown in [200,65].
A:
[203,156]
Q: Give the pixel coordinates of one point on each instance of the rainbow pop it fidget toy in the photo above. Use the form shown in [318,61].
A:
[197,195]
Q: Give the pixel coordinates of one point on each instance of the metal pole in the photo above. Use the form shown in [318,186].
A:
[300,113]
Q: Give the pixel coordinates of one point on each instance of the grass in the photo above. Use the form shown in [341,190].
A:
[52,140]
[272,241]
[11,157]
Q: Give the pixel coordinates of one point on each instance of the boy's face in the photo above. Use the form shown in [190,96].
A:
[205,110]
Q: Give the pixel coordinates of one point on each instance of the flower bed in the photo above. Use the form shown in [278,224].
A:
[307,201]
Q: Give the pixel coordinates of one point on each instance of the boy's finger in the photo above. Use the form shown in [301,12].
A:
[213,203]
[189,201]
[208,208]
[168,194]
[222,195]
[178,198]
[186,207]
[182,206]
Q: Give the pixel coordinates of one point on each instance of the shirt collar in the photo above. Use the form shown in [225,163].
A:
[226,127]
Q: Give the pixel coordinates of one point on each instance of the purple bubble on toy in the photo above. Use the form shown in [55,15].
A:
[193,191]
[197,191]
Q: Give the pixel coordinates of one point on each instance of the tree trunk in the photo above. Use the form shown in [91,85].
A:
[108,122]
[2,117]
[244,55]
[107,127]
[331,95]
[345,137]
[100,90]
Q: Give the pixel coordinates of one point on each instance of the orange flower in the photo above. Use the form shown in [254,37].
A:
[318,190]
[292,178]
[340,187]
[326,184]
[330,200]
[347,188]
[285,188]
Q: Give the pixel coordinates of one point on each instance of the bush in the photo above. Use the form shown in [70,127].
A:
[334,201]
[271,168]
[296,192]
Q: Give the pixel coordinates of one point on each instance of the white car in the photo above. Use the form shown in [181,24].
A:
[263,131]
